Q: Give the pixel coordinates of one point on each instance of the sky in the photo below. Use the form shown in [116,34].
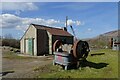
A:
[89,19]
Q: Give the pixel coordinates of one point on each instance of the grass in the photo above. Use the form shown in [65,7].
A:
[12,55]
[97,66]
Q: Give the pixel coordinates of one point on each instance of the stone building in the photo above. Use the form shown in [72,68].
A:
[39,39]
[115,43]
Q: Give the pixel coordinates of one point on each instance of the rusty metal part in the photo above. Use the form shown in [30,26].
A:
[56,45]
[80,49]
[75,49]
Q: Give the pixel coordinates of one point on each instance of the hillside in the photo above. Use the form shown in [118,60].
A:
[109,34]
[112,33]
[102,40]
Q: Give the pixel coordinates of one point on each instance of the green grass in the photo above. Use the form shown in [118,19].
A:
[98,66]
[12,55]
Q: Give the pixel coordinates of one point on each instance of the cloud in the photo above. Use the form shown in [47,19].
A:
[89,29]
[52,21]
[15,6]
[18,12]
[78,23]
[8,20]
[12,21]
[71,22]
[19,23]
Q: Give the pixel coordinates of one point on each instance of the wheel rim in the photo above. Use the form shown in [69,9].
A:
[80,48]
[56,45]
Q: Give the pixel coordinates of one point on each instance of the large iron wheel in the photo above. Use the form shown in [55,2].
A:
[56,45]
[80,49]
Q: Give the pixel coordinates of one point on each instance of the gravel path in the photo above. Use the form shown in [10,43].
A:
[23,68]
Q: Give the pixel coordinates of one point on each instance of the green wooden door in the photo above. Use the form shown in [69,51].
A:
[30,46]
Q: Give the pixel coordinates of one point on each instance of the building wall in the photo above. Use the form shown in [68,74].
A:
[22,45]
[67,39]
[116,40]
[30,33]
[50,42]
[45,41]
[42,42]
[26,45]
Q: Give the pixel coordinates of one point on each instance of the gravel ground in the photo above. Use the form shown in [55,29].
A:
[23,68]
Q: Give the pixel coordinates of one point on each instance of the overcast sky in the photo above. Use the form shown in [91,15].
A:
[88,19]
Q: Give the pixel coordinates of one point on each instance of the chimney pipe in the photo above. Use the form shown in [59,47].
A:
[65,28]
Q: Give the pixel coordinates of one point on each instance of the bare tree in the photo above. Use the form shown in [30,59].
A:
[8,36]
[8,40]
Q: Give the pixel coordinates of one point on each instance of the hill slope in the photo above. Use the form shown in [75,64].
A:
[112,33]
[103,40]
